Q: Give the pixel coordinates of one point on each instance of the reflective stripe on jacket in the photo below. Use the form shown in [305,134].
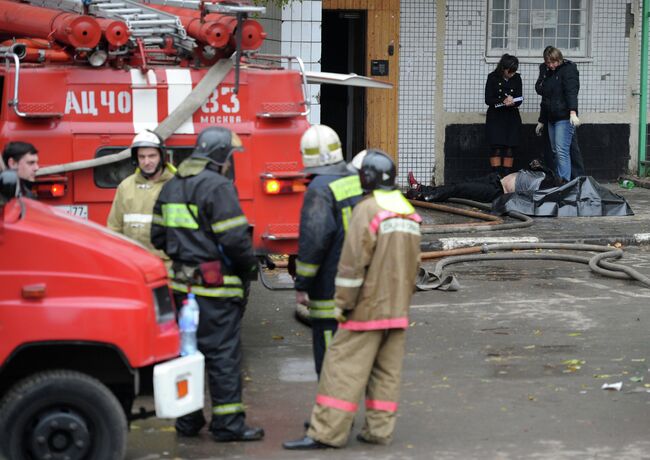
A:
[324,219]
[131,212]
[197,218]
[379,263]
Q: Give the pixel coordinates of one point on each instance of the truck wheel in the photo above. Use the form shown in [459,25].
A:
[61,414]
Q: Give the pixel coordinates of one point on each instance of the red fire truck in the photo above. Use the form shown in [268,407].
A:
[82,76]
[86,319]
[81,100]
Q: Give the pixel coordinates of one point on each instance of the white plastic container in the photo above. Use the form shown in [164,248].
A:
[178,386]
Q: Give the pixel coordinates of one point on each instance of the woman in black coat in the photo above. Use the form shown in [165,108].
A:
[558,84]
[503,95]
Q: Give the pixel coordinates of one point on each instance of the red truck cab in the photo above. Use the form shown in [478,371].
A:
[84,316]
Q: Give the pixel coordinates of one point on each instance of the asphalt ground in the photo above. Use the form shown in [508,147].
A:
[511,366]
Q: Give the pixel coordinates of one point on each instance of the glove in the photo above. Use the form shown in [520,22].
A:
[302,298]
[574,120]
[539,129]
[340,315]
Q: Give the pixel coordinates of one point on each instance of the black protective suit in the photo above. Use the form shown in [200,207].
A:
[324,217]
[196,219]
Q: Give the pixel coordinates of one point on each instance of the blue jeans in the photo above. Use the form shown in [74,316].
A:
[560,134]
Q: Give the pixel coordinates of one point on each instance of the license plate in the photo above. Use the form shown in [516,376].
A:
[77,210]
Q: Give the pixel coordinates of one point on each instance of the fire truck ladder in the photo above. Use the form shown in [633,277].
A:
[145,23]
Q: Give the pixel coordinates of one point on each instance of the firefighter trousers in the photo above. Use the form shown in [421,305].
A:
[355,362]
[322,331]
[219,339]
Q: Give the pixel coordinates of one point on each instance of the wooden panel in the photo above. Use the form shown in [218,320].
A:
[381,105]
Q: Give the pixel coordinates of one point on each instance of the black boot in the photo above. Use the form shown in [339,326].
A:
[305,443]
[440,193]
[189,425]
[247,433]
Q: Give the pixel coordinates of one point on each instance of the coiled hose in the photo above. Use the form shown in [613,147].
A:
[597,263]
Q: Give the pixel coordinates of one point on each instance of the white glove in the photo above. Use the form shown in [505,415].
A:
[539,128]
[574,120]
[302,298]
[339,314]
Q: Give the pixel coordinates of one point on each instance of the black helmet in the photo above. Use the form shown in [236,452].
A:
[217,143]
[377,171]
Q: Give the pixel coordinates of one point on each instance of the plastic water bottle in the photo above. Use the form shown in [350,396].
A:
[625,183]
[188,323]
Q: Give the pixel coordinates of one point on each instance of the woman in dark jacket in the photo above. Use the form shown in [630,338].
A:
[558,84]
[503,123]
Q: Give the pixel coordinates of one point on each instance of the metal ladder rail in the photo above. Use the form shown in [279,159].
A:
[145,23]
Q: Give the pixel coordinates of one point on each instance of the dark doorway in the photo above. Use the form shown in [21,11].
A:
[344,51]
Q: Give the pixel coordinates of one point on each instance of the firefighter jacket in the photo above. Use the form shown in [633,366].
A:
[324,219]
[132,208]
[379,263]
[197,218]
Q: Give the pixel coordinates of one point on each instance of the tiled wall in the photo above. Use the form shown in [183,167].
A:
[603,79]
[417,78]
[295,30]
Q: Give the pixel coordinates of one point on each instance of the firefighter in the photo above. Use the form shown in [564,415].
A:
[133,203]
[198,222]
[23,158]
[324,218]
[374,284]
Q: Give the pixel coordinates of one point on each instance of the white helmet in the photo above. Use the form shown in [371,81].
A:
[354,166]
[320,146]
[147,138]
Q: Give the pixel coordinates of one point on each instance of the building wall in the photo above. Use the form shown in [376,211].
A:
[442,75]
[417,89]
[605,98]
[295,30]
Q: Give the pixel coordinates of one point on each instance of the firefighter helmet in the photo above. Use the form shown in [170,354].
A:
[377,171]
[320,147]
[146,138]
[354,166]
[217,144]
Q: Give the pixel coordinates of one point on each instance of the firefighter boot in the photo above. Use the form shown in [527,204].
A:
[247,433]
[232,427]
[189,425]
[305,443]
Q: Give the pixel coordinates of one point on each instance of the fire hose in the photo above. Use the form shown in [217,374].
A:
[598,263]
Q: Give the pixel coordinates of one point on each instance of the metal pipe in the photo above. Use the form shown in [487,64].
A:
[453,210]
[450,252]
[19,49]
[116,32]
[76,30]
[643,89]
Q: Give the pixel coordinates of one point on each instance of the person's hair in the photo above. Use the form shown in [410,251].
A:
[16,150]
[552,54]
[507,62]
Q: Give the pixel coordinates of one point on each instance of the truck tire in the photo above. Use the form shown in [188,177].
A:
[65,414]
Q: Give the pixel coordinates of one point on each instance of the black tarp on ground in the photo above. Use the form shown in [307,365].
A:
[581,197]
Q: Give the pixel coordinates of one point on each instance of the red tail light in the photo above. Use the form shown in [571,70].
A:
[50,190]
[57,189]
[281,186]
